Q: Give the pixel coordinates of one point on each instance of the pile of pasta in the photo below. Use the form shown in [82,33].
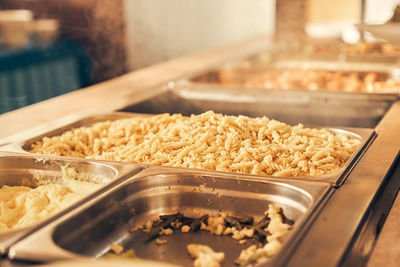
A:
[208,141]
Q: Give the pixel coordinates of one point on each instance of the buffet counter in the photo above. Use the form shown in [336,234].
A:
[362,197]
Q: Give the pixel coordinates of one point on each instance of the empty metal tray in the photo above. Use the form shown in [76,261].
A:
[90,229]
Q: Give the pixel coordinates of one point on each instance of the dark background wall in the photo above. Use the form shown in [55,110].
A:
[99,26]
[96,24]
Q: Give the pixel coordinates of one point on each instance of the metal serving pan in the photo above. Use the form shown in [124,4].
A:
[90,229]
[239,72]
[293,107]
[336,178]
[25,170]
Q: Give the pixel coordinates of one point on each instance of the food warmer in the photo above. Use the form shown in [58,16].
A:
[338,216]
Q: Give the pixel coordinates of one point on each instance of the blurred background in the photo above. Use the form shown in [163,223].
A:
[49,48]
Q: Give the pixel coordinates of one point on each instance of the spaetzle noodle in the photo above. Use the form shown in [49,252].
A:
[208,141]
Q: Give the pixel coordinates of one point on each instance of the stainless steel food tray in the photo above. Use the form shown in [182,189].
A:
[18,169]
[239,71]
[335,178]
[293,107]
[163,190]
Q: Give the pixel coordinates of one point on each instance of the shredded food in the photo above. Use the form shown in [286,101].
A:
[208,141]
[22,206]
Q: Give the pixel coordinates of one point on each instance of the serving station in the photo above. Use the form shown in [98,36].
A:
[338,216]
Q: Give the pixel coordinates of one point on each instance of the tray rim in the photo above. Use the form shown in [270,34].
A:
[183,85]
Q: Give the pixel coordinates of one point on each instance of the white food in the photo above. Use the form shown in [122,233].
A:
[22,206]
[278,230]
[205,256]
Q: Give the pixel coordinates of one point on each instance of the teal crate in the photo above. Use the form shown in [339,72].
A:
[38,72]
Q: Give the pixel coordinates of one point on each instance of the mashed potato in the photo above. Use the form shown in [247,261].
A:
[22,206]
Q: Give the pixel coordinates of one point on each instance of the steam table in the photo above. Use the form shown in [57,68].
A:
[134,87]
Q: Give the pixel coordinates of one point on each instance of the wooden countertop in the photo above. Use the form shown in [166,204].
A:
[130,88]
